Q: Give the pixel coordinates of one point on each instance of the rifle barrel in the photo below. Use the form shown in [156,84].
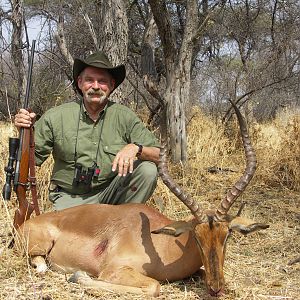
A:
[29,75]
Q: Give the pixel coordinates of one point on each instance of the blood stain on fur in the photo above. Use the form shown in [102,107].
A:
[100,248]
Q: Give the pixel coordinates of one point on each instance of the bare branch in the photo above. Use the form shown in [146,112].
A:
[61,42]
[90,26]
[152,88]
[165,30]
[209,16]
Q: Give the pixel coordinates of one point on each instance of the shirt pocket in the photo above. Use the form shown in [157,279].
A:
[112,150]
[64,149]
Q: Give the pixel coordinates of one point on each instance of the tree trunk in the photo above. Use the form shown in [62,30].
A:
[178,68]
[62,44]
[148,48]
[113,35]
[176,96]
[16,48]
[176,122]
[113,31]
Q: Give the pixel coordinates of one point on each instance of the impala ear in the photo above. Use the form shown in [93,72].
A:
[245,226]
[175,228]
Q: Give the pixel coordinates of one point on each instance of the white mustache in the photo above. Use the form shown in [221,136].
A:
[90,93]
[98,92]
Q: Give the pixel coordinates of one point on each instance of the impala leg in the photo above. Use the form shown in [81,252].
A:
[128,276]
[123,280]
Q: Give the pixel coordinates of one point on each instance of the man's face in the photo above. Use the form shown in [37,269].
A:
[95,84]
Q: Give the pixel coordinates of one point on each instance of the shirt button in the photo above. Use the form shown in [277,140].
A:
[95,143]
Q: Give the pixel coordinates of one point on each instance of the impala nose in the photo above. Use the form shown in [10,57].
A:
[216,292]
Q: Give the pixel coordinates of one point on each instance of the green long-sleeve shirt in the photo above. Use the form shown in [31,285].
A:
[67,127]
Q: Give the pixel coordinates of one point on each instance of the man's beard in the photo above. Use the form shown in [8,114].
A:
[91,93]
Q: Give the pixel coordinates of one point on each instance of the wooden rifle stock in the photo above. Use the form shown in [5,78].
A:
[25,164]
[25,178]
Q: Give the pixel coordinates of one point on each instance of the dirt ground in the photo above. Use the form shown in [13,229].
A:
[256,266]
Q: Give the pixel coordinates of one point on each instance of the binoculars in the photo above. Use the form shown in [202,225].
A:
[85,176]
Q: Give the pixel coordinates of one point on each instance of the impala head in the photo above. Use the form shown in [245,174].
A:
[211,228]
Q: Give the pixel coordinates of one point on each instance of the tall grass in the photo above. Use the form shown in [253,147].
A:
[278,149]
[212,145]
[277,145]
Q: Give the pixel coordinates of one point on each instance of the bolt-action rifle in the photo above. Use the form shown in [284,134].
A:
[21,164]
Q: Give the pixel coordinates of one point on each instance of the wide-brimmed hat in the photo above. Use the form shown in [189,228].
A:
[98,60]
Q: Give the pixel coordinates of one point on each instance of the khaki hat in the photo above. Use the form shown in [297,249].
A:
[98,60]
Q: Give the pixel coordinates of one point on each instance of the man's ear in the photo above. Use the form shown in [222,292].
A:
[113,83]
[79,81]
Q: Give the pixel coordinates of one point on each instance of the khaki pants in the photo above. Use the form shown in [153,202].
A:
[133,188]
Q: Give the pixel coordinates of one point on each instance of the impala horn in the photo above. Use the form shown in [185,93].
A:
[176,189]
[239,187]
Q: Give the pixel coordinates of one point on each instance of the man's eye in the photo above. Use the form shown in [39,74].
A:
[102,81]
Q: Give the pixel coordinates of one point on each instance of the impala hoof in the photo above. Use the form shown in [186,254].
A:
[75,277]
[78,277]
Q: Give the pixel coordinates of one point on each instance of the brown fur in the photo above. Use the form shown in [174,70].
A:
[117,245]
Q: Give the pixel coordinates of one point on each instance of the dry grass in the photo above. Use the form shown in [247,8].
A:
[278,146]
[256,266]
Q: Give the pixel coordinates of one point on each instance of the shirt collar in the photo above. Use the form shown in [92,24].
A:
[85,114]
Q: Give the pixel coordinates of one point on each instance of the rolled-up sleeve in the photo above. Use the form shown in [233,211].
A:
[139,133]
[43,134]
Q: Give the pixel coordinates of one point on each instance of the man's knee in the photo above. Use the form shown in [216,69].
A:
[147,171]
[142,183]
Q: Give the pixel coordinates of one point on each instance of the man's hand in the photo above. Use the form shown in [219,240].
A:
[24,118]
[124,159]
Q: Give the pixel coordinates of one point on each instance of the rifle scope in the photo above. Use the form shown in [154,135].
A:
[9,169]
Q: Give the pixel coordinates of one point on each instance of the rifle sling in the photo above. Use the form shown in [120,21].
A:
[31,176]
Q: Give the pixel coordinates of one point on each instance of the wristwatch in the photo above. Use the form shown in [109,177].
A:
[140,150]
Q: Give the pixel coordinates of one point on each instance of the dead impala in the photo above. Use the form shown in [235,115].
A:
[131,247]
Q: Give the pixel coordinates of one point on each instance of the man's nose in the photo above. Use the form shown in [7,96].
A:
[96,85]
